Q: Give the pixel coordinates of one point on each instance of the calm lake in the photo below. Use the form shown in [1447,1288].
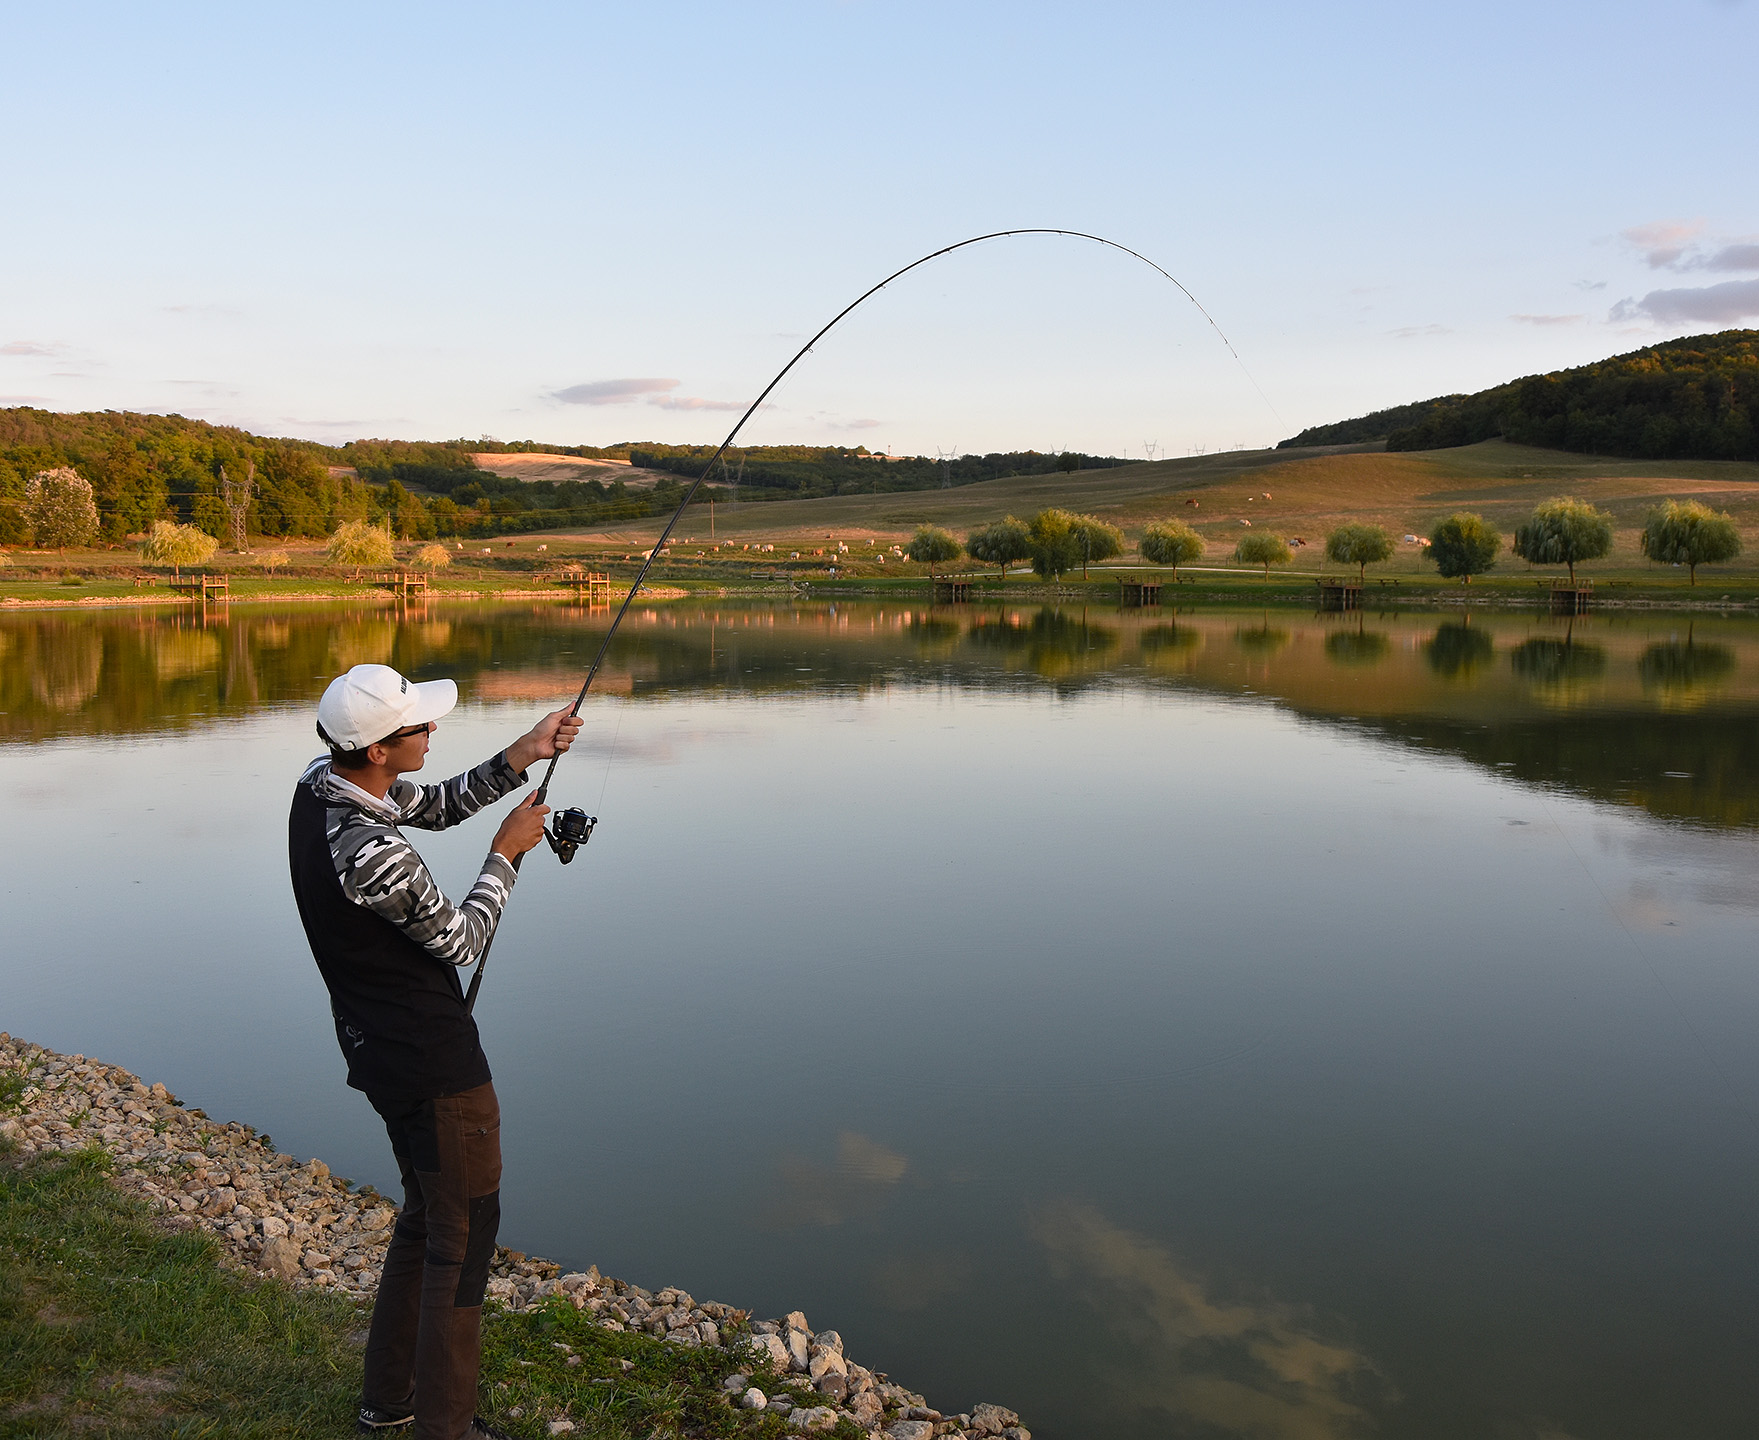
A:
[1216,1025]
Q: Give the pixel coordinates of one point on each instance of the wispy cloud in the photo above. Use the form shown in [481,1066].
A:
[653,390]
[1724,304]
[29,347]
[1590,284]
[613,392]
[1662,243]
[1548,319]
[863,424]
[694,402]
[1419,332]
[25,399]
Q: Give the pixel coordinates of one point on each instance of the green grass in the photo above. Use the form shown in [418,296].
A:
[113,1325]
[110,1326]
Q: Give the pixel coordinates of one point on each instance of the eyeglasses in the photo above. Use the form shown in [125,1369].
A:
[407,731]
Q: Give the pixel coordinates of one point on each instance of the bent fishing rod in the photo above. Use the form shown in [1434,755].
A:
[572,828]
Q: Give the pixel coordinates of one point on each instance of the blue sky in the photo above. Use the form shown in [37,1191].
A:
[583,223]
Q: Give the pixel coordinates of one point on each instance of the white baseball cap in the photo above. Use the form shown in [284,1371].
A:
[371,702]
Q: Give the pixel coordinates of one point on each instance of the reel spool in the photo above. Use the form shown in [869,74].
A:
[568,830]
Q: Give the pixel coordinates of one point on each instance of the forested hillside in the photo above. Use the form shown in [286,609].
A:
[1690,399]
[805,471]
[149,467]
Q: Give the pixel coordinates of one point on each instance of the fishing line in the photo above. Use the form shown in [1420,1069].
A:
[543,788]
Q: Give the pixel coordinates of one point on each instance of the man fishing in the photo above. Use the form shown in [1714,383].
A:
[389,944]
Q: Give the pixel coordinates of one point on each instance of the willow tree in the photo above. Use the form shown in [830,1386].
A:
[177,546]
[1263,548]
[1683,532]
[1564,532]
[932,546]
[1005,542]
[1463,546]
[357,543]
[1171,542]
[1359,545]
[1055,547]
[1098,541]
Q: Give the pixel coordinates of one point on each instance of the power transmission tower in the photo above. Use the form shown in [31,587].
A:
[1149,447]
[235,496]
[946,458]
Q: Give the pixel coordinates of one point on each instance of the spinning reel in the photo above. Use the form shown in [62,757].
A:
[568,830]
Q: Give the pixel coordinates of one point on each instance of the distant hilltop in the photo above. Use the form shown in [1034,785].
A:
[1690,399]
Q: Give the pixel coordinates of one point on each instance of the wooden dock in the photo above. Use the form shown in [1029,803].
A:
[1569,598]
[1339,594]
[954,592]
[402,583]
[592,586]
[1138,592]
[201,587]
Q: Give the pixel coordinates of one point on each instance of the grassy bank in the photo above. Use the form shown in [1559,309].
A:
[112,1322]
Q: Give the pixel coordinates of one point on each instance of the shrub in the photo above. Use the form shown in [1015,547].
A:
[272,560]
[433,557]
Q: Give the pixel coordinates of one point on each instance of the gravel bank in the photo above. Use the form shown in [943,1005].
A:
[276,1215]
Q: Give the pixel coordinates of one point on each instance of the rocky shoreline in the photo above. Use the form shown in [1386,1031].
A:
[276,1215]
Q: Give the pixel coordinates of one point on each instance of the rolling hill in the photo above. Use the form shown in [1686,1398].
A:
[1696,398]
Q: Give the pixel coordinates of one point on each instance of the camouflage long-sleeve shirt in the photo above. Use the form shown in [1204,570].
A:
[380,870]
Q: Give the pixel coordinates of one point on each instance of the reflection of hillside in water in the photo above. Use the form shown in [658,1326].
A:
[1649,710]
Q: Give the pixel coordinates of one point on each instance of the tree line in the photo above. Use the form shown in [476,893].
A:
[1562,531]
[802,472]
[1694,398]
[147,468]
[142,469]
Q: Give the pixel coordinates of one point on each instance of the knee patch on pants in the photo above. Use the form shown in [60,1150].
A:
[479,1250]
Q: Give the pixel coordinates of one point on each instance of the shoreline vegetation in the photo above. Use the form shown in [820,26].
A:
[1197,586]
[159,1267]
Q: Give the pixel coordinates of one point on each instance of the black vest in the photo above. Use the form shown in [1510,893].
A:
[399,1011]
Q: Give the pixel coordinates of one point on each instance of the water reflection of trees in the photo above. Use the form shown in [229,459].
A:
[122,672]
[1545,660]
[1458,652]
[65,665]
[1052,644]
[1357,648]
[1685,673]
[1261,641]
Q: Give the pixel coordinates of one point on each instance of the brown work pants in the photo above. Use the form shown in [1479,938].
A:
[425,1342]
